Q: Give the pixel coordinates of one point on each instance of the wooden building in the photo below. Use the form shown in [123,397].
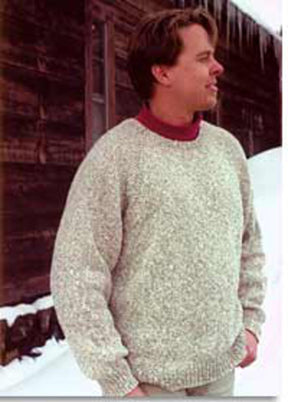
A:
[63,83]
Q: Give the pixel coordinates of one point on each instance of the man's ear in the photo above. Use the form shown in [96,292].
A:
[161,74]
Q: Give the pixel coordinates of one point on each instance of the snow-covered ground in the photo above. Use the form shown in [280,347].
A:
[55,372]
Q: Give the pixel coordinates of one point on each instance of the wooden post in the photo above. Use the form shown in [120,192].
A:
[109,73]
[88,75]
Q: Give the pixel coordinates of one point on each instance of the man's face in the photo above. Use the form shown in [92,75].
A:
[193,80]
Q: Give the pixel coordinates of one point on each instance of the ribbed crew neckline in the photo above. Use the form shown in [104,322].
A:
[187,132]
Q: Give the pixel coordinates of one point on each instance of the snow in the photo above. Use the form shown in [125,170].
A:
[10,314]
[19,371]
[263,377]
[55,372]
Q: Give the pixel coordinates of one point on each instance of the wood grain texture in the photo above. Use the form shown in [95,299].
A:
[33,201]
[42,116]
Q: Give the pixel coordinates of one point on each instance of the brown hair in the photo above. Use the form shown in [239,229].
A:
[157,41]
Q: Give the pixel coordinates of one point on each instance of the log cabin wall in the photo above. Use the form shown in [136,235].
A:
[43,141]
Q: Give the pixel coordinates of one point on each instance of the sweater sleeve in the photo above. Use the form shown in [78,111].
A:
[252,285]
[87,247]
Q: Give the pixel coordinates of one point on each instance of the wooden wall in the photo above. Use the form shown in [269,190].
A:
[43,133]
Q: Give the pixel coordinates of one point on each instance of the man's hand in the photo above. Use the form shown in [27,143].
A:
[251,348]
[136,392]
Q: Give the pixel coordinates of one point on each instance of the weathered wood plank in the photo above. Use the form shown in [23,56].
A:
[14,292]
[34,188]
[24,94]
[33,200]
[54,15]
[27,332]
[22,141]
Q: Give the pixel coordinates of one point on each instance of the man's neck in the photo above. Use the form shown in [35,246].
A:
[168,114]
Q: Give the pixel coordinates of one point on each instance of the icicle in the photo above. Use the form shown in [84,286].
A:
[258,123]
[247,23]
[233,16]
[254,29]
[263,45]
[249,27]
[217,6]
[277,48]
[240,28]
[229,6]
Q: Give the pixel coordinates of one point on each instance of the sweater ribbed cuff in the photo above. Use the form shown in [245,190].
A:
[253,327]
[119,381]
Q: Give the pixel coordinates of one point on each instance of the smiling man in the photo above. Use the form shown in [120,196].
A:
[157,267]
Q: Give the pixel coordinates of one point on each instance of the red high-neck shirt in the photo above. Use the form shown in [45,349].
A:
[187,132]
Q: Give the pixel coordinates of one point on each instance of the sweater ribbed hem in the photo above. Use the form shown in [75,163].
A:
[193,374]
[120,382]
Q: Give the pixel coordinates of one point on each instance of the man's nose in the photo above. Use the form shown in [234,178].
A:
[217,69]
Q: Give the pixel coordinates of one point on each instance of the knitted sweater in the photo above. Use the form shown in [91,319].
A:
[157,264]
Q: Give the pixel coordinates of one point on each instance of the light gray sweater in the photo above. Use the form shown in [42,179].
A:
[157,265]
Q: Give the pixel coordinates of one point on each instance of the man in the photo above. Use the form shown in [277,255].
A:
[157,267]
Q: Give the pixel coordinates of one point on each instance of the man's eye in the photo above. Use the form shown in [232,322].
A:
[205,58]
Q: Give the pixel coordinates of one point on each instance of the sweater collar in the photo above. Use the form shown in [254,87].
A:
[187,132]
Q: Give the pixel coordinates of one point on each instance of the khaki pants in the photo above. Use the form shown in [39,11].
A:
[222,387]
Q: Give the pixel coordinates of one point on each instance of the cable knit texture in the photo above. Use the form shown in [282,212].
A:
[157,264]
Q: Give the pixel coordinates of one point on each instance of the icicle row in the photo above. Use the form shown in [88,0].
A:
[253,29]
[233,17]
[217,6]
[240,27]
[264,39]
[228,23]
[277,48]
[248,31]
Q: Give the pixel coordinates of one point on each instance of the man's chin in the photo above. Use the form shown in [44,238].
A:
[208,106]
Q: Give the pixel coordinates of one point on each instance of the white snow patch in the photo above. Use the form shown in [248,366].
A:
[20,370]
[262,378]
[54,373]
[266,177]
[10,314]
